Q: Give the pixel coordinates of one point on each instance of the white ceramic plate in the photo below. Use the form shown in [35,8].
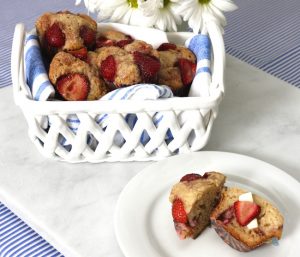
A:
[143,221]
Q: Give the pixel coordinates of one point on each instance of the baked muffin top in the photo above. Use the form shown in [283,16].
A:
[65,31]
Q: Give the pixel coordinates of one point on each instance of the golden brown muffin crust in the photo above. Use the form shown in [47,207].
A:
[70,25]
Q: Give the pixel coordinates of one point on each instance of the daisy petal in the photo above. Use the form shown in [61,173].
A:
[224,5]
[77,2]
[188,14]
[217,13]
[120,12]
[195,21]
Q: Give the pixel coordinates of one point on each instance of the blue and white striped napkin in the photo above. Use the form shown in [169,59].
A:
[35,72]
[134,92]
[200,45]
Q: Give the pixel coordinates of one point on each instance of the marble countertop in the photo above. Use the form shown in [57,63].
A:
[72,205]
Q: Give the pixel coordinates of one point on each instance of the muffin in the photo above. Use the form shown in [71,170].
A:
[120,68]
[74,79]
[178,68]
[193,199]
[245,225]
[65,31]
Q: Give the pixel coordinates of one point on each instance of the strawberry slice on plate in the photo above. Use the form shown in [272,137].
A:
[148,66]
[187,71]
[73,87]
[178,212]
[245,212]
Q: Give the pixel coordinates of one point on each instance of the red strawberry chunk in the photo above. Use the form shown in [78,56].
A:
[227,215]
[129,37]
[148,66]
[187,71]
[190,177]
[80,53]
[193,176]
[88,35]
[178,212]
[73,87]
[124,42]
[245,212]
[54,36]
[103,41]
[108,68]
[166,46]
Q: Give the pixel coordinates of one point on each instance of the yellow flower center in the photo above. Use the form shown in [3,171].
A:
[204,1]
[132,3]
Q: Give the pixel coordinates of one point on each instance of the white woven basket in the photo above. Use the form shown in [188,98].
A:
[192,135]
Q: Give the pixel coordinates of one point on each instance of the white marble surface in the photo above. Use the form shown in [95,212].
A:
[72,205]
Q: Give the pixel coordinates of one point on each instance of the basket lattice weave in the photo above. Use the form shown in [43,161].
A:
[189,119]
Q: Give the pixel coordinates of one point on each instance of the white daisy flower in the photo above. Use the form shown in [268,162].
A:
[124,11]
[198,12]
[162,13]
[91,5]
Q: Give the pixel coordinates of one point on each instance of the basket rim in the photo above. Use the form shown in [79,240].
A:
[118,106]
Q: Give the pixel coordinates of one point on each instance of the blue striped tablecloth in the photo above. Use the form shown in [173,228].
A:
[263,33]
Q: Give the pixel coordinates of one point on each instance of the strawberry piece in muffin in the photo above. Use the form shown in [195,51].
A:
[187,71]
[108,68]
[54,36]
[80,53]
[73,87]
[148,65]
[166,46]
[124,42]
[88,35]
[103,41]
[178,212]
[193,176]
[113,38]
